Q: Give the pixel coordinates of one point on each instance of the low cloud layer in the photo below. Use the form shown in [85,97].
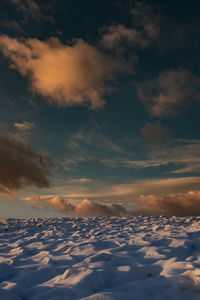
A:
[179,204]
[172,91]
[21,165]
[66,75]
[186,204]
[86,208]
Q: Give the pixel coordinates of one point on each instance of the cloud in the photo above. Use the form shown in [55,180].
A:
[147,18]
[173,90]
[22,165]
[119,33]
[185,204]
[106,192]
[28,7]
[12,25]
[85,208]
[24,126]
[155,133]
[66,75]
[179,204]
[145,31]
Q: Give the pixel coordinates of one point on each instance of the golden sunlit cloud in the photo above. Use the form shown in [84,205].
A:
[85,208]
[185,204]
[66,75]
[24,126]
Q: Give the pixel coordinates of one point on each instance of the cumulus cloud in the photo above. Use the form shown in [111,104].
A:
[66,75]
[179,204]
[172,90]
[85,208]
[185,204]
[21,165]
[155,133]
[24,126]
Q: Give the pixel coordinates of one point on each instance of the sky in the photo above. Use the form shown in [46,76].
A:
[99,108]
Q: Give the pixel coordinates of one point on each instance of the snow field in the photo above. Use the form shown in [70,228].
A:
[105,258]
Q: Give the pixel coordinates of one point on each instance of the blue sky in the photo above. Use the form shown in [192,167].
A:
[99,101]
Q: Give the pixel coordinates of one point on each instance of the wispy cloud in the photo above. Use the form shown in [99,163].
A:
[178,155]
[145,31]
[24,126]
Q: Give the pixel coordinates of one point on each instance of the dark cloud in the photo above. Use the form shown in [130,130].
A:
[21,165]
[155,133]
[146,29]
[173,90]
[27,7]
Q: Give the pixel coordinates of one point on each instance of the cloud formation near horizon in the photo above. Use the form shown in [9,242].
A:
[85,208]
[185,204]
[173,90]
[179,204]
[66,75]
[22,165]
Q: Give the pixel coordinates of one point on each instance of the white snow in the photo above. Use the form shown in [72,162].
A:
[105,258]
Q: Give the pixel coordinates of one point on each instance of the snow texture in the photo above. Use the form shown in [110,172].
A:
[104,258]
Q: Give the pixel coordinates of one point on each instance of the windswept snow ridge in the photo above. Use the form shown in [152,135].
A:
[105,258]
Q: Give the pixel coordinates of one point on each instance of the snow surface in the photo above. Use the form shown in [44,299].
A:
[101,258]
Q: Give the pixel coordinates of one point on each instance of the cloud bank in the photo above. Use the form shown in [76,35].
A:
[179,204]
[173,90]
[85,208]
[66,75]
[186,204]
[21,165]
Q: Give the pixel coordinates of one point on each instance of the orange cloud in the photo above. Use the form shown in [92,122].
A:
[21,164]
[67,75]
[184,204]
[86,208]
[24,126]
[179,204]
